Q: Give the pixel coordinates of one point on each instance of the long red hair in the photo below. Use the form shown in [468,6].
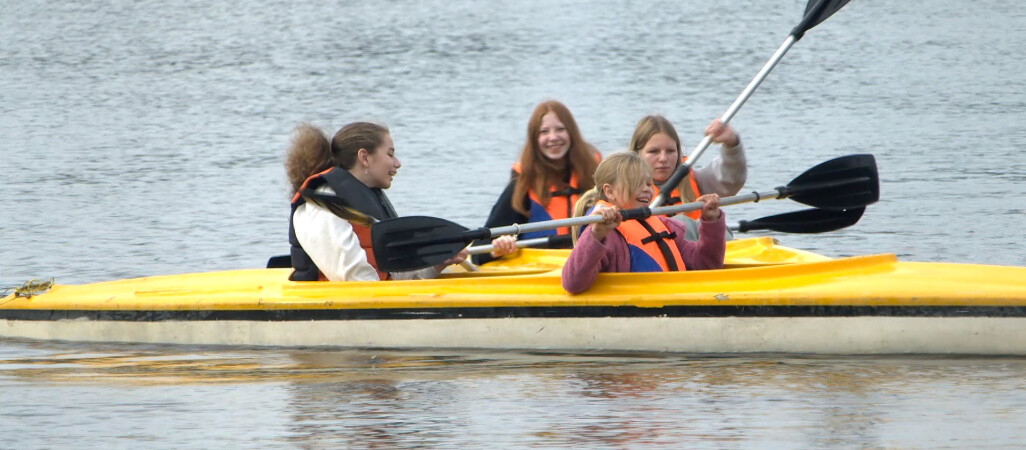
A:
[538,174]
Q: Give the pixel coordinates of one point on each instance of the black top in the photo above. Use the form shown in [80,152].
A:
[503,215]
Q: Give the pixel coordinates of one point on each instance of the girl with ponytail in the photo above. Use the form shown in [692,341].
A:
[624,181]
[356,165]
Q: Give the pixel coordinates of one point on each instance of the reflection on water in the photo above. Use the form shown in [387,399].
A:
[400,398]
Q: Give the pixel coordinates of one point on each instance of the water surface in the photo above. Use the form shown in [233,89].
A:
[144,138]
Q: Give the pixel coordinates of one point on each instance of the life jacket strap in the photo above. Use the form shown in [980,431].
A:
[659,235]
[566,192]
[660,240]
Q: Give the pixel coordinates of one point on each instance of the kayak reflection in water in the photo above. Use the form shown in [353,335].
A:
[653,244]
[357,165]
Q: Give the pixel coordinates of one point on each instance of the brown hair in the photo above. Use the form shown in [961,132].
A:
[310,152]
[536,173]
[650,126]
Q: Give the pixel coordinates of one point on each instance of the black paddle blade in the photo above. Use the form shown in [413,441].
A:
[279,262]
[805,221]
[847,182]
[816,11]
[415,242]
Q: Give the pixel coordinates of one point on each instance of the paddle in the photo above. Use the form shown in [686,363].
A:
[806,221]
[816,11]
[334,205]
[554,241]
[414,242]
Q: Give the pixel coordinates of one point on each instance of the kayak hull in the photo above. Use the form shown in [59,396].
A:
[860,305]
[808,335]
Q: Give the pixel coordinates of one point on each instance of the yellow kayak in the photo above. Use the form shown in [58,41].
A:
[859,305]
[746,252]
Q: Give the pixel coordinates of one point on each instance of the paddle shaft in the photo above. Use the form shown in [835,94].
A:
[813,15]
[537,242]
[805,221]
[414,242]
[641,213]
[534,242]
[683,169]
[637,213]
[515,229]
[781,192]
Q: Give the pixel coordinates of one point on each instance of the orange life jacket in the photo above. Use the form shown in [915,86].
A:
[561,206]
[675,198]
[363,234]
[650,244]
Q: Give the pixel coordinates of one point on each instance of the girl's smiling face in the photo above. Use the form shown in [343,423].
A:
[626,198]
[553,137]
[382,164]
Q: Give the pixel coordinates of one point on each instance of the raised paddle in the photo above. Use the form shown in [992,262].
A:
[816,11]
[414,242]
[806,221]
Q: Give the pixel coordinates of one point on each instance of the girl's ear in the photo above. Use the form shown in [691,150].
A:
[608,192]
[363,157]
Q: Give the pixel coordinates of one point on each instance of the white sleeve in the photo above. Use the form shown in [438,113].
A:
[726,174]
[332,244]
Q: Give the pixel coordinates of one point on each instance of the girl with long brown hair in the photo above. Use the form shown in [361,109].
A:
[555,166]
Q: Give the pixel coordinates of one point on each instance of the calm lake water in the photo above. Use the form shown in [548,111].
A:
[144,138]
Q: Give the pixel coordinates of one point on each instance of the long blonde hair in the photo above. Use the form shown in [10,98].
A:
[625,172]
[537,174]
[650,126]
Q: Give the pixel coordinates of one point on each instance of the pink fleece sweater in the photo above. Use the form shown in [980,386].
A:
[592,256]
